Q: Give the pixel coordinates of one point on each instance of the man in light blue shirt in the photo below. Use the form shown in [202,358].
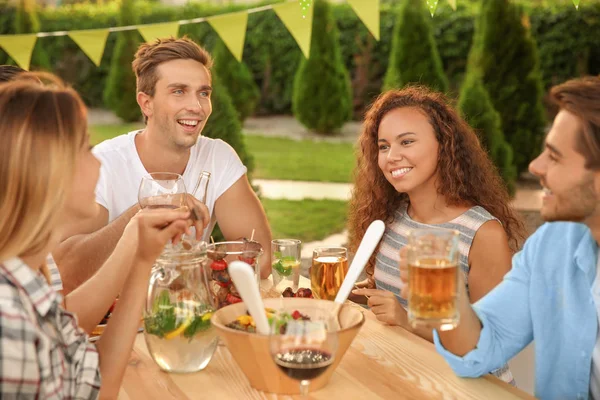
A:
[551,294]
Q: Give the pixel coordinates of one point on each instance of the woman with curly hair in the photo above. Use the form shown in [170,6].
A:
[420,165]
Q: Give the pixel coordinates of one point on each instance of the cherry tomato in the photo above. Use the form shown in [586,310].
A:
[247,260]
[218,265]
[296,315]
[231,299]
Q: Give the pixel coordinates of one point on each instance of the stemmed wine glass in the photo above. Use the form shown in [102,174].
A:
[162,190]
[303,344]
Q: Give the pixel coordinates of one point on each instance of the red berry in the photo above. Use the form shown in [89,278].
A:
[296,315]
[218,265]
[231,299]
[247,260]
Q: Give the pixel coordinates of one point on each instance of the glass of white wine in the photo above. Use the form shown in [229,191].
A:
[162,190]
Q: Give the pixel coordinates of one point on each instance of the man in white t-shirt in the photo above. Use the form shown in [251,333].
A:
[174,94]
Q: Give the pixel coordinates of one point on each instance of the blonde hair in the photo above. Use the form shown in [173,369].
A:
[42,130]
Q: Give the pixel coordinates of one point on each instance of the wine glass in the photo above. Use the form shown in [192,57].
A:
[162,190]
[303,343]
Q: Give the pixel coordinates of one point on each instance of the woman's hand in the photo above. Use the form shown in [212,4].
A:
[155,228]
[384,305]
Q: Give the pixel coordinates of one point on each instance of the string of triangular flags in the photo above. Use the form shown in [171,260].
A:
[297,16]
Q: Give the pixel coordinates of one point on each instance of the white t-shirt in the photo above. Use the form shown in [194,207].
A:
[595,378]
[122,171]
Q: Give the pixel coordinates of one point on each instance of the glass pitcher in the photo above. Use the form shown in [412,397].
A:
[179,306]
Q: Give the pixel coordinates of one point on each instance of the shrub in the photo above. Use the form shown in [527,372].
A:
[477,109]
[120,92]
[322,99]
[505,55]
[224,124]
[414,57]
[26,21]
[236,77]
[568,42]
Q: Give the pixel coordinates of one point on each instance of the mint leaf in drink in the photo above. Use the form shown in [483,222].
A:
[161,322]
[281,269]
[200,323]
[163,299]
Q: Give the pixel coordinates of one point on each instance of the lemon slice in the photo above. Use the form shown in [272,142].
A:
[290,263]
[206,316]
[176,332]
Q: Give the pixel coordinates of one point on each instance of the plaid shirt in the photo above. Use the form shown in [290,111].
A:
[43,353]
[55,280]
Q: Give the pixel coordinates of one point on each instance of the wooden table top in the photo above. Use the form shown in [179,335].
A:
[384,362]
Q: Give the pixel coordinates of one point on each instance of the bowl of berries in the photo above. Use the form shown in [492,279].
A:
[220,254]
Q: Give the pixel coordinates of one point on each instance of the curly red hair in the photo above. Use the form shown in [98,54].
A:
[469,178]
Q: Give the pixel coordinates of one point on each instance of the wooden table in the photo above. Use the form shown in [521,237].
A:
[383,362]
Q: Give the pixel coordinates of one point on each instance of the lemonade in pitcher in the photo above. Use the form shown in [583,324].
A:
[177,325]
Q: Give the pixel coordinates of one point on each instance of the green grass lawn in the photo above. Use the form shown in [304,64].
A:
[280,158]
[277,158]
[307,220]
[100,133]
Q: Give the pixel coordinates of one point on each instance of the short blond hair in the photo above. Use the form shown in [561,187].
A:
[42,130]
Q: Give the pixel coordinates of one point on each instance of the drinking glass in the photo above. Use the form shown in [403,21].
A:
[303,344]
[162,190]
[328,270]
[286,260]
[433,278]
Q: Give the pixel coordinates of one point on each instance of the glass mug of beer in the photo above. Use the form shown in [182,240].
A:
[328,270]
[433,278]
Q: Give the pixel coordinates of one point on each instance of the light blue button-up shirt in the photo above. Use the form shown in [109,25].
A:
[547,296]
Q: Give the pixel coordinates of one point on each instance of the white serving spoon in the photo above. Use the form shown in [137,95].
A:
[243,278]
[367,245]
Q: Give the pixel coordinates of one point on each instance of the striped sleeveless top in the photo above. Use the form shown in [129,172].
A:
[387,273]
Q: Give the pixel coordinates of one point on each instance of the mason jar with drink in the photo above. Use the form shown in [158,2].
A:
[433,278]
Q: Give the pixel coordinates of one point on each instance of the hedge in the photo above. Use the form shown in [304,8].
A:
[568,42]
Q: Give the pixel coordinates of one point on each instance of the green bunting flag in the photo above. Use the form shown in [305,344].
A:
[232,30]
[432,6]
[165,30]
[299,24]
[92,42]
[368,12]
[19,48]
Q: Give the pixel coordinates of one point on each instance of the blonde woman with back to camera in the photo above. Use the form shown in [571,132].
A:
[47,180]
